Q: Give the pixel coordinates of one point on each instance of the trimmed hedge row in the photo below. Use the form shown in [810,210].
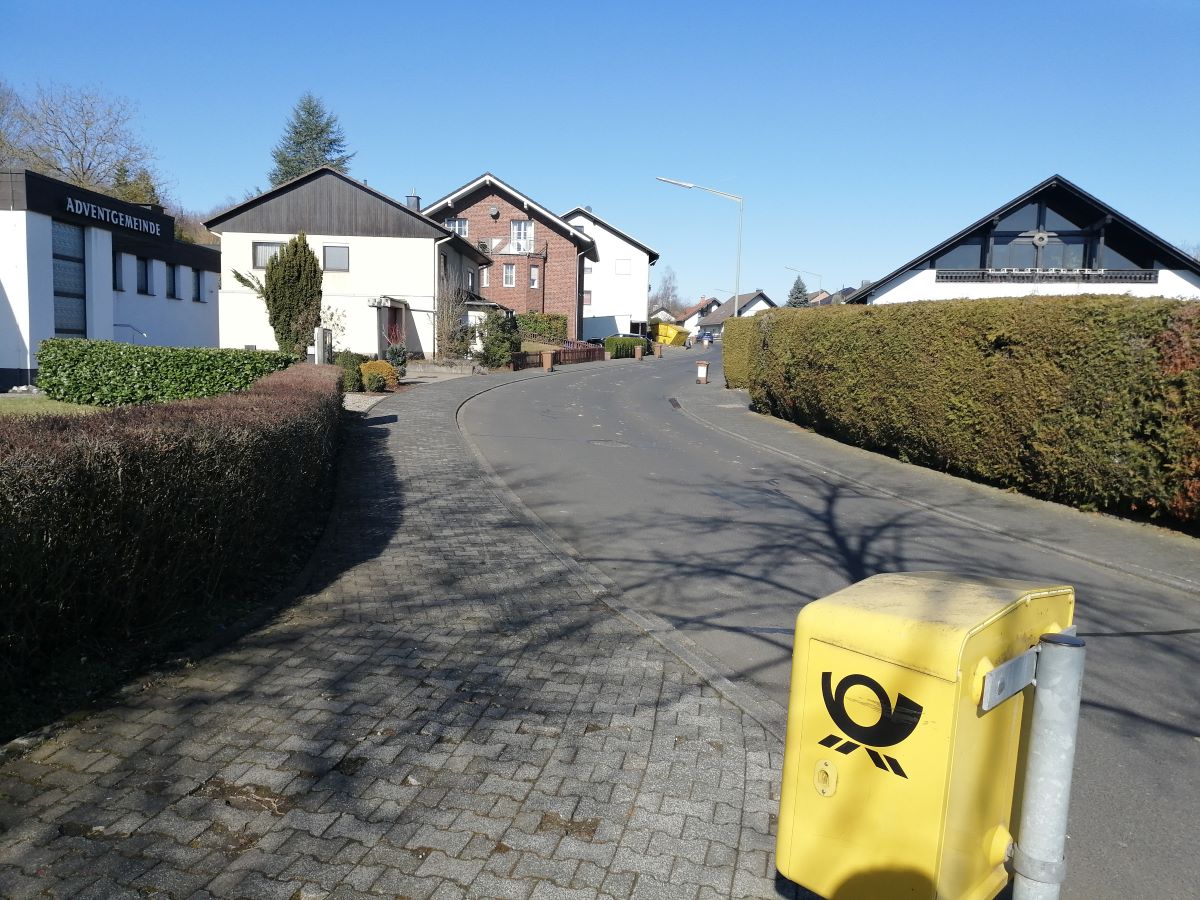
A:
[623,347]
[107,373]
[116,524]
[1088,400]
[548,327]
[738,339]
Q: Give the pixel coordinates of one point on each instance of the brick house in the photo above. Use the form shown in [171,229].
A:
[537,257]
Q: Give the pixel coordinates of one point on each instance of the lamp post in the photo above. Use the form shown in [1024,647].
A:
[737,277]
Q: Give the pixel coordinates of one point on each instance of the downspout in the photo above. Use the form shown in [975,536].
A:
[579,294]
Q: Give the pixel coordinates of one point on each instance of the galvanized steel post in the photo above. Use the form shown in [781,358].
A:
[1039,854]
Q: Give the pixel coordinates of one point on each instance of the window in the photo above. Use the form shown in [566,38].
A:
[171,275]
[533,276]
[143,275]
[70,280]
[471,280]
[335,258]
[623,267]
[1014,253]
[587,270]
[196,295]
[263,251]
[510,275]
[458,226]
[521,232]
[964,256]
[483,277]
[1023,219]
[587,298]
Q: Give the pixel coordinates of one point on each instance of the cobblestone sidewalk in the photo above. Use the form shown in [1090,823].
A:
[450,711]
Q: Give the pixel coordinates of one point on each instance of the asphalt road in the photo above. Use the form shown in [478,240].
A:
[726,523]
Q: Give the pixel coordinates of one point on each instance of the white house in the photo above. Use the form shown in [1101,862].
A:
[662,314]
[690,317]
[750,304]
[75,263]
[616,288]
[1053,239]
[383,262]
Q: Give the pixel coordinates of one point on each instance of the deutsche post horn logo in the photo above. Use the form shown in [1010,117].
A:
[894,725]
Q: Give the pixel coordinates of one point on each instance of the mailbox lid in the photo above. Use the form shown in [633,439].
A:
[918,620]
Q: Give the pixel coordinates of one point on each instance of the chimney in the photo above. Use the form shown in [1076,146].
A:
[413,201]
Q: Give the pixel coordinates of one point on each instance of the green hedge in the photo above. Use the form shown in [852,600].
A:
[548,327]
[740,338]
[121,524]
[107,373]
[622,348]
[1087,400]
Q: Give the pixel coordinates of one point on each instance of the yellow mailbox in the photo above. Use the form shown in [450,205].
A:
[895,782]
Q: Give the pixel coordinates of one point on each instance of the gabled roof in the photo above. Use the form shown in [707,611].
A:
[588,214]
[695,308]
[487,179]
[1169,252]
[661,308]
[725,310]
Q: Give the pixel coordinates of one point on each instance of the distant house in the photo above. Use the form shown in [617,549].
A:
[538,257]
[75,263]
[616,287]
[820,298]
[750,304]
[384,264]
[662,314]
[690,317]
[1053,239]
[842,296]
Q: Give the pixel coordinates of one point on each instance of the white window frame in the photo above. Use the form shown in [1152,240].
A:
[520,233]
[325,248]
[533,277]
[483,277]
[510,275]
[459,226]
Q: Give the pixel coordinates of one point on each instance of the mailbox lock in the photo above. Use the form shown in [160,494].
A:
[825,778]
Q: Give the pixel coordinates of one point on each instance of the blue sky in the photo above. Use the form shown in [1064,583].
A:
[860,133]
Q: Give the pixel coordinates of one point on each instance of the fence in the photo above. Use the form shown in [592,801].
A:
[590,353]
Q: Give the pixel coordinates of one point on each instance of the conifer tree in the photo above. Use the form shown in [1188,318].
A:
[292,292]
[312,138]
[798,295]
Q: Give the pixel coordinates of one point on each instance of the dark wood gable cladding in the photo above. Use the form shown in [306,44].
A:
[327,203]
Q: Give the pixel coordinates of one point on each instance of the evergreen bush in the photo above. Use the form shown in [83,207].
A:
[500,340]
[108,373]
[1088,400]
[622,348]
[550,328]
[381,368]
[349,362]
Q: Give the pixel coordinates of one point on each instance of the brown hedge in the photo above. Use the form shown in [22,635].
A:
[1088,400]
[115,524]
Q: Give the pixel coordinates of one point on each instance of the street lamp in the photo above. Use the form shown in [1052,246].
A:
[737,277]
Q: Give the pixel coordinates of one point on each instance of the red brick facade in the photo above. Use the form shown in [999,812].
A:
[556,256]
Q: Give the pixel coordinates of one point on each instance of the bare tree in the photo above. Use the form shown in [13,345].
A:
[453,335]
[9,126]
[667,295]
[83,137]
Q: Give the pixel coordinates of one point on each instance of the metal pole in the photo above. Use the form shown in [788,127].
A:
[737,276]
[1038,855]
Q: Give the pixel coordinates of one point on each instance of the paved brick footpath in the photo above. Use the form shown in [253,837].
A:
[450,711]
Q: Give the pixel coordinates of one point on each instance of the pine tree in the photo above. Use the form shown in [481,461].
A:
[798,295]
[311,139]
[292,292]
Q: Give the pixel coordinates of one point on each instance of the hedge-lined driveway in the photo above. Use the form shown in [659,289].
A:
[726,523]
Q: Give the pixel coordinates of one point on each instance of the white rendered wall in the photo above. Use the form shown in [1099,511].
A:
[404,268]
[167,321]
[98,275]
[923,285]
[617,299]
[25,240]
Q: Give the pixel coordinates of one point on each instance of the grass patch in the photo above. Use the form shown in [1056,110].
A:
[41,405]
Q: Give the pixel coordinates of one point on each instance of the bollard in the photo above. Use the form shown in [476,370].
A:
[548,360]
[702,372]
[607,355]
[658,351]
[1039,854]
[637,351]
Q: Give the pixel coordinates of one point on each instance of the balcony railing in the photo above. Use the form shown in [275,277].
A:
[1140,276]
